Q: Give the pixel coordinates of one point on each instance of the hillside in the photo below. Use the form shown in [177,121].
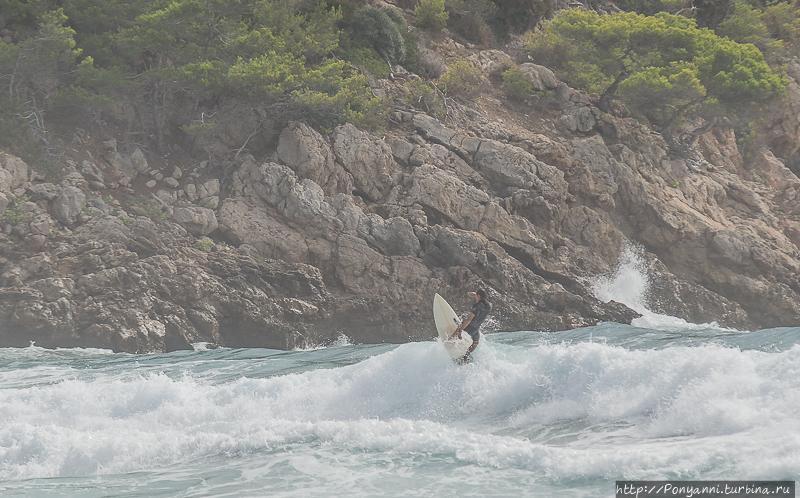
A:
[275,228]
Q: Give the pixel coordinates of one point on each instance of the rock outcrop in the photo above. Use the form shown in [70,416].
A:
[353,233]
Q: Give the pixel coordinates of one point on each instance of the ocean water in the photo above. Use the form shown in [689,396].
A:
[536,414]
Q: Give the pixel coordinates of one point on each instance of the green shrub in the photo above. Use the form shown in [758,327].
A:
[431,15]
[14,214]
[519,16]
[744,25]
[664,67]
[145,207]
[460,79]
[379,29]
[203,245]
[420,94]
[515,84]
[349,100]
[646,7]
[470,19]
[431,64]
[385,30]
[16,136]
[364,57]
[76,102]
[783,22]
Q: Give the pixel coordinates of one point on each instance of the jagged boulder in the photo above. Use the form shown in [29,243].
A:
[509,168]
[139,162]
[774,171]
[69,204]
[446,197]
[253,225]
[305,206]
[46,191]
[540,77]
[367,158]
[589,173]
[92,173]
[491,61]
[123,168]
[310,156]
[199,221]
[15,173]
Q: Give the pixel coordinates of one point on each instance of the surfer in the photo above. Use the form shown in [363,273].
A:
[477,314]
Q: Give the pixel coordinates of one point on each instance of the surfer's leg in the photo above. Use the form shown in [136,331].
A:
[465,358]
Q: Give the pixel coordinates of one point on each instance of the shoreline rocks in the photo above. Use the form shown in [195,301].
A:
[353,233]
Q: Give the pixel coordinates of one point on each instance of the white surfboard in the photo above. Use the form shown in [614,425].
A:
[446,323]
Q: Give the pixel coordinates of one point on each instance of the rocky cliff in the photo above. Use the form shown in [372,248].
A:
[310,235]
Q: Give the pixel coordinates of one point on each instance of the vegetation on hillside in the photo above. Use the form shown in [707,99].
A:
[157,66]
[662,66]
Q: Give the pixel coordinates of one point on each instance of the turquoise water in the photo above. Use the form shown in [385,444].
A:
[562,414]
[536,414]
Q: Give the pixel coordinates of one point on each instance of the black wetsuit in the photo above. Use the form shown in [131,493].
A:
[481,310]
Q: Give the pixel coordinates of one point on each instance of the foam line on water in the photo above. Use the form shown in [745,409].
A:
[558,410]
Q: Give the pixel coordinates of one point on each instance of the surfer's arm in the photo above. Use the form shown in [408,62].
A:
[464,325]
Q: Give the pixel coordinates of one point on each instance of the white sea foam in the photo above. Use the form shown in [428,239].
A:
[340,341]
[562,411]
[629,285]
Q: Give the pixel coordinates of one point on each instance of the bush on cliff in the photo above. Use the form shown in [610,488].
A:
[431,15]
[708,13]
[663,66]
[171,63]
[516,85]
[32,72]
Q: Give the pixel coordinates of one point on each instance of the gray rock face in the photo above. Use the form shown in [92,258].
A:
[18,173]
[140,304]
[305,151]
[191,192]
[209,188]
[91,172]
[783,124]
[6,181]
[510,167]
[433,130]
[245,224]
[491,61]
[68,205]
[123,167]
[211,202]
[196,220]
[368,159]
[139,162]
[345,232]
[577,118]
[46,191]
[449,197]
[540,77]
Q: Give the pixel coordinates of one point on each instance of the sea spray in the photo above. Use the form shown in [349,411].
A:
[629,284]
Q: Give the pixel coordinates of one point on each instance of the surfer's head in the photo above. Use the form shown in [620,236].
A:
[482,295]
